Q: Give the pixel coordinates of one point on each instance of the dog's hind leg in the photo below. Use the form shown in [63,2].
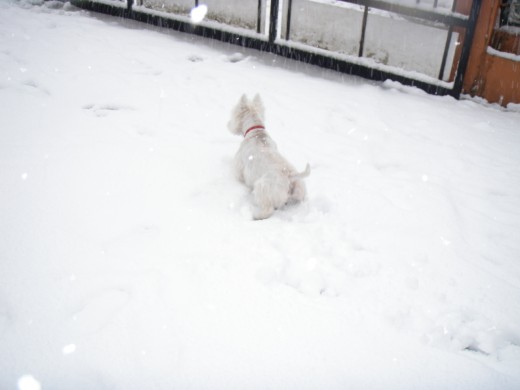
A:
[271,191]
[264,205]
[298,191]
[263,213]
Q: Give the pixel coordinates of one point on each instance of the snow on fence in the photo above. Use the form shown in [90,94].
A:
[389,39]
[414,42]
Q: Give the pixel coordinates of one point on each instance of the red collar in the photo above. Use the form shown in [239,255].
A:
[253,128]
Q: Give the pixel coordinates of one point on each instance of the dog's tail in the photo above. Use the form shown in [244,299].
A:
[301,175]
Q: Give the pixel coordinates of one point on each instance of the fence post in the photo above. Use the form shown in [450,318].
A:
[288,25]
[466,49]
[259,17]
[363,31]
[448,41]
[273,21]
[129,4]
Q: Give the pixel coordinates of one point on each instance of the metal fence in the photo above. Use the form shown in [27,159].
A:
[279,18]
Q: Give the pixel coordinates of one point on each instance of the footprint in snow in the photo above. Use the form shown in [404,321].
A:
[35,86]
[102,110]
[235,57]
[97,310]
[195,58]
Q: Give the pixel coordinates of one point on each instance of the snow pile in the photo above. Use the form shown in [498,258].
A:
[129,259]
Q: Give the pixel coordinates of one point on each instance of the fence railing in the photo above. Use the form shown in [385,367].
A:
[271,41]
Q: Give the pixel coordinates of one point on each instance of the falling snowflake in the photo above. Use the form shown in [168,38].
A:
[197,14]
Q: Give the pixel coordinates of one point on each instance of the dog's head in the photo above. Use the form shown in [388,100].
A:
[246,113]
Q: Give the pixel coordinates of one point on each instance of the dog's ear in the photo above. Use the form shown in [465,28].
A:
[243,101]
[257,101]
[237,116]
[259,105]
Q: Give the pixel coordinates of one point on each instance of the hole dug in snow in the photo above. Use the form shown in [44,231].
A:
[472,332]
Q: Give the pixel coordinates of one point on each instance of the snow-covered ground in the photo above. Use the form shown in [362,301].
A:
[129,260]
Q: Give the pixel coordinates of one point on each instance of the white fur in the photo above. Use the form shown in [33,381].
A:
[259,165]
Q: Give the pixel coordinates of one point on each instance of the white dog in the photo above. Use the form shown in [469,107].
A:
[259,165]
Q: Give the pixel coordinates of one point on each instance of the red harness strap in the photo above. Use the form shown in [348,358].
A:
[253,128]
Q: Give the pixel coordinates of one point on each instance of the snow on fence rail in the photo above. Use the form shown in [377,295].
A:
[415,42]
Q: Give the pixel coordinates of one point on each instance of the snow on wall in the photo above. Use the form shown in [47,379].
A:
[177,6]
[446,4]
[390,39]
[408,45]
[325,26]
[242,13]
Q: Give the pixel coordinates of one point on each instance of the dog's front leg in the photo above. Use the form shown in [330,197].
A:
[263,213]
[239,170]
